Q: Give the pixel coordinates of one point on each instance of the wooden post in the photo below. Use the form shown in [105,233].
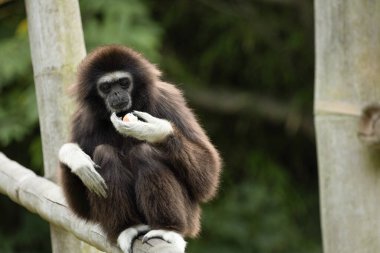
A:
[57,47]
[347,78]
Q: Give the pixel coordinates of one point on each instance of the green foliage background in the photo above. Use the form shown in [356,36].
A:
[268,200]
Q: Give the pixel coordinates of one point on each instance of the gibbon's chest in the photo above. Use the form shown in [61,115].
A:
[110,137]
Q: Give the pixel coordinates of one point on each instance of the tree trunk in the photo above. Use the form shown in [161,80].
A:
[347,79]
[57,47]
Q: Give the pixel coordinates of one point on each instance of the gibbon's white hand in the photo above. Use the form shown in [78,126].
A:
[82,165]
[153,130]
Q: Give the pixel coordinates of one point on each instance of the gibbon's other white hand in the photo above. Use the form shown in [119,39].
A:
[81,165]
[153,130]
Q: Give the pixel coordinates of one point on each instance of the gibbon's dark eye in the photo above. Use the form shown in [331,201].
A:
[105,87]
[124,83]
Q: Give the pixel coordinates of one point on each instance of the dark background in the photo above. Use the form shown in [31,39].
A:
[247,70]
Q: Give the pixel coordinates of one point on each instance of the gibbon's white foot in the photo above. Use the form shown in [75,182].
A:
[126,237]
[153,130]
[170,236]
[81,165]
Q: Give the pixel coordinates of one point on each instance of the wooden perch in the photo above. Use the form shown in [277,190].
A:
[45,198]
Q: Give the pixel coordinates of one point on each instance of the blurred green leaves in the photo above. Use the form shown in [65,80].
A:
[268,200]
[118,23]
[14,60]
[18,113]
[122,22]
[260,213]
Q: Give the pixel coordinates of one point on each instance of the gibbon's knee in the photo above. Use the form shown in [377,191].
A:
[105,154]
[160,197]
[141,152]
[193,219]
[143,155]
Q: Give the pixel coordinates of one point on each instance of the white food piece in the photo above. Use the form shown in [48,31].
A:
[131,117]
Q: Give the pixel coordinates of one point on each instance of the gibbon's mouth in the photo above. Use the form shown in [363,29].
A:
[121,109]
[121,114]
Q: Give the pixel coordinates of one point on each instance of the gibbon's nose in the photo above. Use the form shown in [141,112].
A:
[117,101]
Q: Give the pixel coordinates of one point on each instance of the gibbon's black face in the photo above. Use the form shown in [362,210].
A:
[115,89]
[115,79]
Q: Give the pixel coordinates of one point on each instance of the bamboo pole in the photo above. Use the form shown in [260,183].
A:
[347,78]
[45,198]
[57,47]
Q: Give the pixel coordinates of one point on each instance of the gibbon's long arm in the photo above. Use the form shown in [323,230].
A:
[179,138]
[195,160]
[153,130]
[81,165]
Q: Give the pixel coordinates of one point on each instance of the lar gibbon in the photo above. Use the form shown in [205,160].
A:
[148,175]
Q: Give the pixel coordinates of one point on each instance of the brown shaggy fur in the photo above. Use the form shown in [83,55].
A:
[160,185]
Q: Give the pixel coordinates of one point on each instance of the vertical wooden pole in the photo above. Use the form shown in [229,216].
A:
[347,78]
[57,47]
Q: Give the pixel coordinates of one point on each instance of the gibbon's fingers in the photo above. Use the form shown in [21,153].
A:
[170,236]
[98,184]
[137,126]
[126,238]
[139,130]
[154,130]
[146,116]
[158,129]
[135,129]
[93,180]
[89,180]
[126,128]
[82,165]
[115,120]
[151,132]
